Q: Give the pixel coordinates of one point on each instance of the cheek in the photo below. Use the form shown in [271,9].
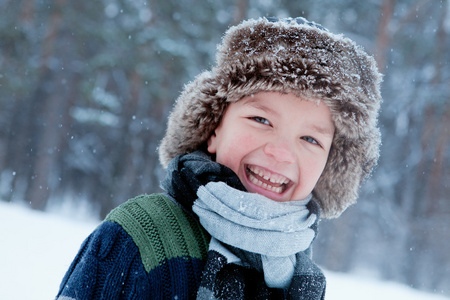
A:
[235,150]
[246,141]
[313,169]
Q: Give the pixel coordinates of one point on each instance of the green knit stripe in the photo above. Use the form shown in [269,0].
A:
[160,229]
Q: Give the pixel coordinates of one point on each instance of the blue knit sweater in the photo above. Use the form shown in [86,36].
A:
[147,248]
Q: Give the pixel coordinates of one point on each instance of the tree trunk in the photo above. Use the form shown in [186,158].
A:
[240,12]
[442,125]
[44,134]
[383,39]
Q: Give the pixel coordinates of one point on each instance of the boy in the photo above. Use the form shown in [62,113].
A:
[280,132]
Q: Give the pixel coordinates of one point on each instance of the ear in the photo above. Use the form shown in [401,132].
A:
[212,143]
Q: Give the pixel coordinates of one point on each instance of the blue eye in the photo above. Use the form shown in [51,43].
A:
[261,120]
[310,140]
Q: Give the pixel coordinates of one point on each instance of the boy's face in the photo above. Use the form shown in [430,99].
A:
[277,144]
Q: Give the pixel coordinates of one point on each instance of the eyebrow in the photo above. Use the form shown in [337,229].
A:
[323,130]
[253,102]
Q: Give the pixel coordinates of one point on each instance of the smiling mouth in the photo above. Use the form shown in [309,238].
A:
[264,179]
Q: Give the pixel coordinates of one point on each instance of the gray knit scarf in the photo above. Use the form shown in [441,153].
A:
[254,223]
[260,249]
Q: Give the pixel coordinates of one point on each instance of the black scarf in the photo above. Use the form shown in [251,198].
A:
[223,280]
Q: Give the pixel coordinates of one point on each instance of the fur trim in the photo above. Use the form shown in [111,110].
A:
[290,56]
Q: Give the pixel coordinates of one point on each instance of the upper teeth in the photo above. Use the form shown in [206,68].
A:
[274,178]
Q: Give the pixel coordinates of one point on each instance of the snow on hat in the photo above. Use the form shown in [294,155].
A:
[289,56]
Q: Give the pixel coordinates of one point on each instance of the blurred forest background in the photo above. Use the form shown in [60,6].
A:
[86,86]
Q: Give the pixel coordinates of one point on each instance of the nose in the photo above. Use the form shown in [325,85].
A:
[280,150]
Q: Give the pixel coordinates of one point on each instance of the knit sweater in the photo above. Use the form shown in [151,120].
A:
[147,248]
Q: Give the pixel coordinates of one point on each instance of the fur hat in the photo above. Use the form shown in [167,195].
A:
[290,56]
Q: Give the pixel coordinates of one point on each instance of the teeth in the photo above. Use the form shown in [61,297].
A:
[274,178]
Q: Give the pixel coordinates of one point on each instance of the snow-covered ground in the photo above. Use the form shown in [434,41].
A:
[37,248]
